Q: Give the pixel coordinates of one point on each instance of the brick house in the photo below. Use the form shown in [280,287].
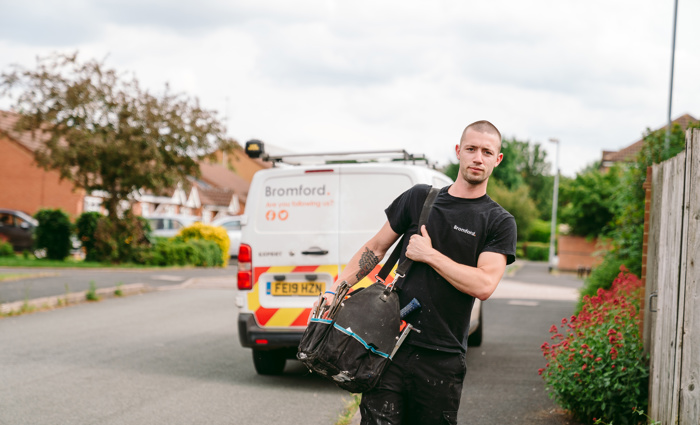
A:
[628,153]
[27,187]
[24,185]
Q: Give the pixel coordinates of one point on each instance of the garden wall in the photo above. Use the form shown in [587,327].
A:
[576,251]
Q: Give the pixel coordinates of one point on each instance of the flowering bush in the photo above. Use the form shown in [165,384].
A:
[215,234]
[596,367]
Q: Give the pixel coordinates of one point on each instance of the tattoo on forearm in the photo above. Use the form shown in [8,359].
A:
[367,263]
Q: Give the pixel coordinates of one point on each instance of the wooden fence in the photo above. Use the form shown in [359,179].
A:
[672,311]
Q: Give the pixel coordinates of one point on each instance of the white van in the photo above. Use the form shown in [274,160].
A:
[302,224]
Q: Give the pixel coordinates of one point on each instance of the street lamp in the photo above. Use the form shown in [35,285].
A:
[667,141]
[554,206]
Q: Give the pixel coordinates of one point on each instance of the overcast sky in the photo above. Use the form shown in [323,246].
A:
[330,75]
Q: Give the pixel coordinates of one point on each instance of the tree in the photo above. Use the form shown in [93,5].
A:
[103,132]
[526,163]
[628,230]
[509,171]
[518,203]
[588,201]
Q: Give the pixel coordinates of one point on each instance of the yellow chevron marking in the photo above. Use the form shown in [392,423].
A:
[253,298]
[284,317]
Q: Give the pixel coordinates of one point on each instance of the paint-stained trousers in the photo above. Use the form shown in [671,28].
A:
[420,386]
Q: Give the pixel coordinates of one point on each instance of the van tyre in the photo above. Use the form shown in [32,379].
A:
[474,340]
[269,362]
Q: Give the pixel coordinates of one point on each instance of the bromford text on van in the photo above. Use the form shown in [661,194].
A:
[302,223]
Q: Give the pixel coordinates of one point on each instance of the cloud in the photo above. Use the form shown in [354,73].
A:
[319,75]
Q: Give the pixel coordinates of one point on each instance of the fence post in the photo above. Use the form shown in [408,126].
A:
[646,319]
[689,388]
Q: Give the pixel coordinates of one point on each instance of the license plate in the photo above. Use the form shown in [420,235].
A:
[304,289]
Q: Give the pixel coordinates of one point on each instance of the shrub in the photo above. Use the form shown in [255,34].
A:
[536,251]
[206,253]
[596,367]
[215,234]
[6,249]
[122,240]
[601,277]
[86,227]
[53,233]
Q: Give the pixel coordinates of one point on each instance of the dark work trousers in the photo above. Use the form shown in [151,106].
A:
[420,386]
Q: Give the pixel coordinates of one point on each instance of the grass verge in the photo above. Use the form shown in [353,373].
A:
[20,261]
[350,410]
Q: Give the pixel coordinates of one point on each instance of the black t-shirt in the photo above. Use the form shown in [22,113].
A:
[460,229]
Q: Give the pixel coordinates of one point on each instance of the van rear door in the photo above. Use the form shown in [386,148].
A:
[294,243]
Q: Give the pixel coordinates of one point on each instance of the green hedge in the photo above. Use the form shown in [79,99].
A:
[176,252]
[540,231]
[535,251]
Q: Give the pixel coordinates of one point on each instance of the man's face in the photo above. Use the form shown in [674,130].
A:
[478,153]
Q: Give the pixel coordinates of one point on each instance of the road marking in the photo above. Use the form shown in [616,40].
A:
[524,303]
[511,289]
[169,278]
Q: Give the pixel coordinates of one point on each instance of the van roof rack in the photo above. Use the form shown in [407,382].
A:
[255,149]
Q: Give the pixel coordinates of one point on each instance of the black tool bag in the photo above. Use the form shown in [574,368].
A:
[354,340]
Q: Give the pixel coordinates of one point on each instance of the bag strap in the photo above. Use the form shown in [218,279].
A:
[404,265]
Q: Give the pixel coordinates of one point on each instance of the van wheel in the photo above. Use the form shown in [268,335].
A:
[269,362]
[474,340]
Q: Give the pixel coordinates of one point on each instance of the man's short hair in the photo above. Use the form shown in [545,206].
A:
[483,126]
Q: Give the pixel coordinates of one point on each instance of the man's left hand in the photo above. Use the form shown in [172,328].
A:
[420,247]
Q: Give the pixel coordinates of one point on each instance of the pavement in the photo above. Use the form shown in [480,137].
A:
[502,385]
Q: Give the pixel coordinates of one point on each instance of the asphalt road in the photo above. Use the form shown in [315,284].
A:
[165,357]
[45,282]
[173,357]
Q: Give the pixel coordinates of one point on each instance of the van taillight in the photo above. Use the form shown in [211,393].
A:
[245,267]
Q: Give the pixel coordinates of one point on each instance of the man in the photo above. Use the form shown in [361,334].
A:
[461,254]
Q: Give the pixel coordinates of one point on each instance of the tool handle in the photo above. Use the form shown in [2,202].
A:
[410,307]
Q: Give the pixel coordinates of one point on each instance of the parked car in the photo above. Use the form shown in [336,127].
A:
[168,225]
[232,224]
[17,228]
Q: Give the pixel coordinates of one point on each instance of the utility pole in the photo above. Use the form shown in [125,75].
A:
[555,200]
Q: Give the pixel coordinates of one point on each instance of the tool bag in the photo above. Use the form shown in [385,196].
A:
[353,342]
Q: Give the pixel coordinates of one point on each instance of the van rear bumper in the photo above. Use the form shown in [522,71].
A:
[253,336]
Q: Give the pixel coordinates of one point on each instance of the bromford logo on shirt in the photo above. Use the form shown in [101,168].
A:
[467,231]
